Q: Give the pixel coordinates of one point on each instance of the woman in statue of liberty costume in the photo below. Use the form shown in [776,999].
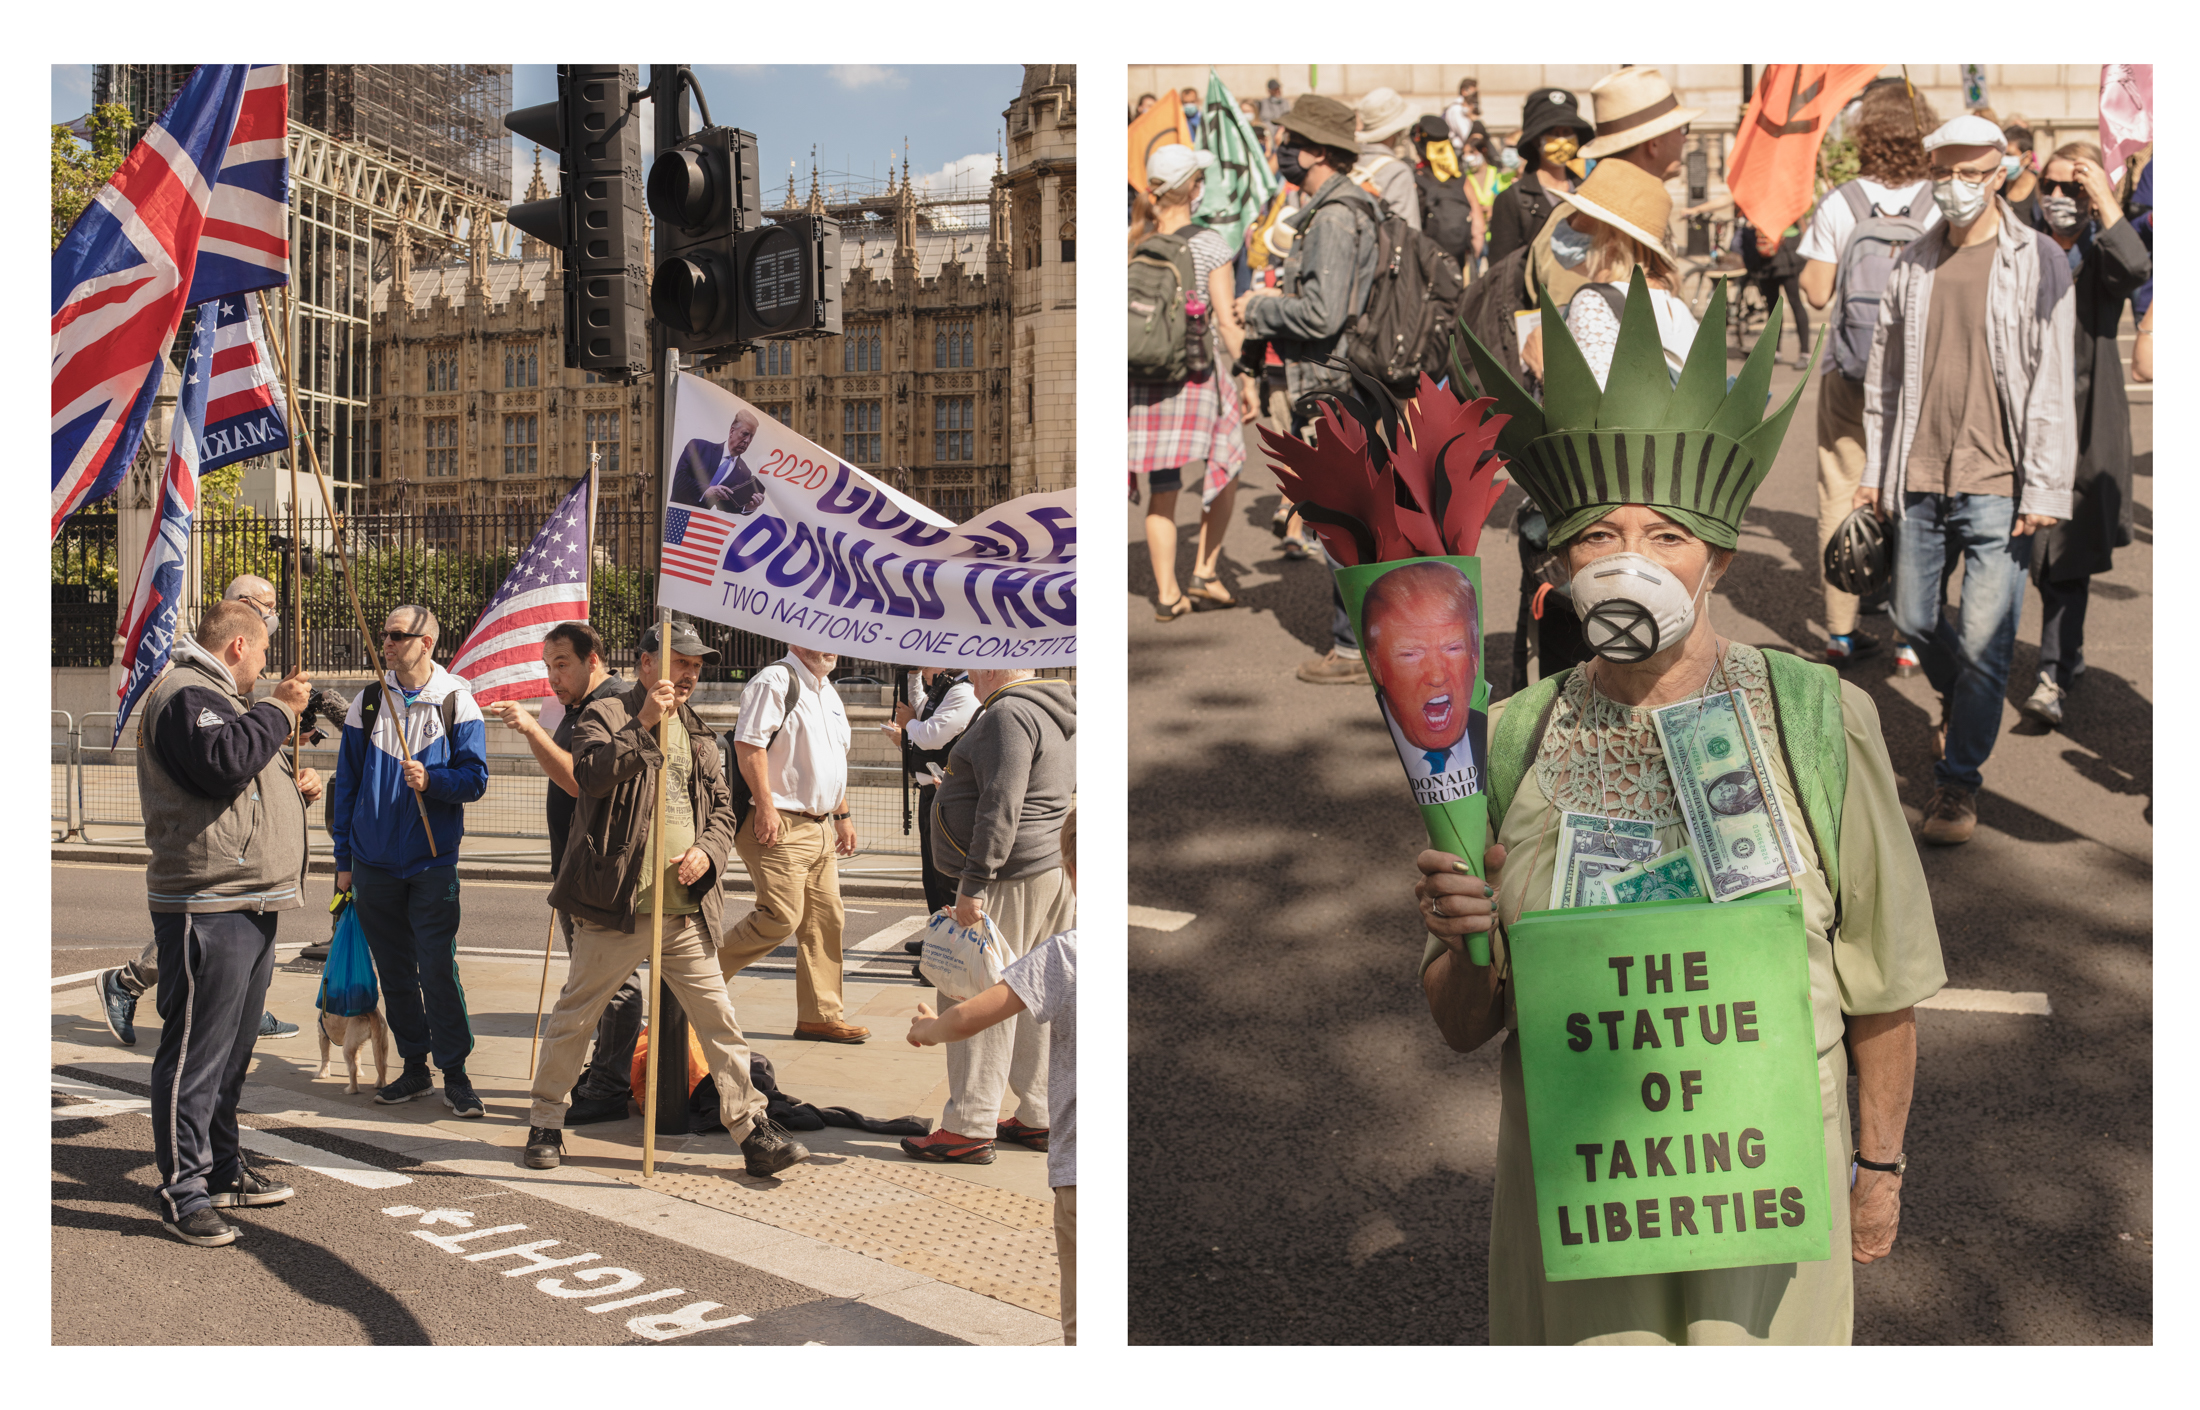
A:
[1646,484]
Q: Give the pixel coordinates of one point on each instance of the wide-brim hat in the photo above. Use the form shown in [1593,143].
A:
[1322,121]
[1547,110]
[1382,115]
[1633,106]
[685,640]
[1627,198]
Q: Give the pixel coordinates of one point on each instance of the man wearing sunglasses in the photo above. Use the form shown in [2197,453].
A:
[405,894]
[1970,443]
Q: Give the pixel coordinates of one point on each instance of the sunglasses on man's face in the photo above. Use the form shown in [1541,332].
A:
[403,636]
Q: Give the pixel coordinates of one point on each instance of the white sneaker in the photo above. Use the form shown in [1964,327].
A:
[2046,701]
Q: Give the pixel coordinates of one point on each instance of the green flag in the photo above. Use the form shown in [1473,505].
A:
[1239,185]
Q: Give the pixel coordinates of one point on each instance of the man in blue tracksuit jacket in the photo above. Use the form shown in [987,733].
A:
[407,897]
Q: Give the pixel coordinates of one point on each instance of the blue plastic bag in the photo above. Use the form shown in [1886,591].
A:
[347,979]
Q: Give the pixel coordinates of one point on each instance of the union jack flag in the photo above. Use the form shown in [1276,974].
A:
[149,633]
[501,658]
[694,540]
[195,214]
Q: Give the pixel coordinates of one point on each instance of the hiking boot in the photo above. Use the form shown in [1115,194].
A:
[2045,704]
[1906,663]
[1034,1137]
[545,1147]
[250,1190]
[120,1006]
[587,1111]
[768,1149]
[203,1228]
[412,1082]
[1951,816]
[948,1147]
[1335,668]
[1841,650]
[832,1032]
[273,1027]
[458,1094]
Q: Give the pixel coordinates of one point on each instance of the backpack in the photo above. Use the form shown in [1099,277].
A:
[1866,262]
[1408,322]
[1447,215]
[737,783]
[1806,708]
[1162,330]
[1487,309]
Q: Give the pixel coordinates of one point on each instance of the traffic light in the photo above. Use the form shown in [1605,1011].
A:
[724,277]
[596,218]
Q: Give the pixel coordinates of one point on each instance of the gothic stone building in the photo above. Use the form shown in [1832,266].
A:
[953,377]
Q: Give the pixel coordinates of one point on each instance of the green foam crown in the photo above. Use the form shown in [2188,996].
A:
[1694,446]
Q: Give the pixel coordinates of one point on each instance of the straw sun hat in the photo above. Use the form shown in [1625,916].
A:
[1627,198]
[1633,106]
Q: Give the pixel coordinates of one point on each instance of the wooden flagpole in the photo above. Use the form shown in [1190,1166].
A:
[297,557]
[542,990]
[343,558]
[657,1058]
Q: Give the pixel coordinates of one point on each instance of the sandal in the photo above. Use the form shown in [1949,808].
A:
[1170,611]
[1211,593]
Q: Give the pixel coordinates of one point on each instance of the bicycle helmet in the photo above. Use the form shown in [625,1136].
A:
[1858,557]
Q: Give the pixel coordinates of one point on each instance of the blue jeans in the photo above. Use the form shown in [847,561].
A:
[1966,653]
[214,969]
[411,925]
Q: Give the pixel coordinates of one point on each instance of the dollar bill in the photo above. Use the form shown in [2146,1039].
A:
[1721,777]
[1592,847]
[1672,877]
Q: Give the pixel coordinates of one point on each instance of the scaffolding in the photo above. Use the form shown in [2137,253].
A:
[445,121]
[146,89]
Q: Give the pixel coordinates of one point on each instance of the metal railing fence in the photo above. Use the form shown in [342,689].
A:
[62,769]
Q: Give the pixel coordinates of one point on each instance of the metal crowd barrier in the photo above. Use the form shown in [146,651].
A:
[62,768]
[106,780]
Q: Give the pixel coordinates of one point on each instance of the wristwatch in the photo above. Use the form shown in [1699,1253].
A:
[840,817]
[1894,1167]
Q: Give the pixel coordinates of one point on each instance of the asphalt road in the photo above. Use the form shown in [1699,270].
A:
[1315,1166]
[414,1261]
[100,920]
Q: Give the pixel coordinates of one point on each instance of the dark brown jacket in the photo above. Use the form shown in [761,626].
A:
[615,762]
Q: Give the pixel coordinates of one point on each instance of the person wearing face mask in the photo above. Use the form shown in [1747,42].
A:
[1449,215]
[2020,183]
[1970,444]
[1891,202]
[2109,263]
[1552,131]
[1190,98]
[1610,223]
[1646,554]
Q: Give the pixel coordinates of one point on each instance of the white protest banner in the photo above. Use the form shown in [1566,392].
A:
[771,533]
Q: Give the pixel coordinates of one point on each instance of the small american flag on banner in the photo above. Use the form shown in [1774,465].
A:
[501,658]
[244,411]
[694,541]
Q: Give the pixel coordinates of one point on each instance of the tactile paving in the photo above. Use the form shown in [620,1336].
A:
[994,1242]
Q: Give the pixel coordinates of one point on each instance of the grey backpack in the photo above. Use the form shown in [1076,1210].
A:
[1861,277]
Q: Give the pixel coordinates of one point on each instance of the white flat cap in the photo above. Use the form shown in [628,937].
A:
[1970,130]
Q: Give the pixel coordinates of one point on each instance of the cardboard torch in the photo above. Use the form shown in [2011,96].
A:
[1398,491]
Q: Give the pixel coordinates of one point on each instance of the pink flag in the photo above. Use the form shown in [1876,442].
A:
[2127,110]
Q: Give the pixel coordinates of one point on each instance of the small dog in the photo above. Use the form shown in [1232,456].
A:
[351,1035]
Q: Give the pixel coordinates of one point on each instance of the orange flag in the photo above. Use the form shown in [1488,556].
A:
[1776,154]
[1163,123]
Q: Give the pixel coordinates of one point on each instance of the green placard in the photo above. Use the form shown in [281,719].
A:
[1671,1072]
[1424,657]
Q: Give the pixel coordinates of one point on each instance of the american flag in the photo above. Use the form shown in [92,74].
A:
[195,214]
[149,631]
[501,658]
[245,415]
[694,539]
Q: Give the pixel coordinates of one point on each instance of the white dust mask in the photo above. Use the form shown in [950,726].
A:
[1960,201]
[1631,608]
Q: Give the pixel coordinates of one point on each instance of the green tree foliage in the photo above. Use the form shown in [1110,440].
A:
[81,168]
[1837,162]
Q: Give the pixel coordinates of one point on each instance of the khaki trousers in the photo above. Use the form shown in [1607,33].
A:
[1009,1059]
[602,959]
[1065,1253]
[1840,471]
[797,883]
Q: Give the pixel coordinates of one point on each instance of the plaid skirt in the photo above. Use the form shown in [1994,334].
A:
[1195,423]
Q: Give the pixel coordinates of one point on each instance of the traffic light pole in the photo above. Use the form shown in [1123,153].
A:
[668,1038]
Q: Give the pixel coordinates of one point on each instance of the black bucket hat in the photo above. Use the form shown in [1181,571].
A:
[1548,110]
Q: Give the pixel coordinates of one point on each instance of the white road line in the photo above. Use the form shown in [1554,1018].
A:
[888,938]
[1150,918]
[108,1102]
[77,978]
[1988,1001]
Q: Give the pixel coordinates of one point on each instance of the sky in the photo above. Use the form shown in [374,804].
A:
[854,114]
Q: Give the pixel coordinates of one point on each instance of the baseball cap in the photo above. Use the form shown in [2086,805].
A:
[1173,165]
[685,640]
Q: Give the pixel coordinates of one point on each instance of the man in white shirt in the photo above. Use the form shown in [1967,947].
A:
[796,764]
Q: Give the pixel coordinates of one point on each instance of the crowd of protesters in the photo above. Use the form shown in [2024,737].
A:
[1970,395]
